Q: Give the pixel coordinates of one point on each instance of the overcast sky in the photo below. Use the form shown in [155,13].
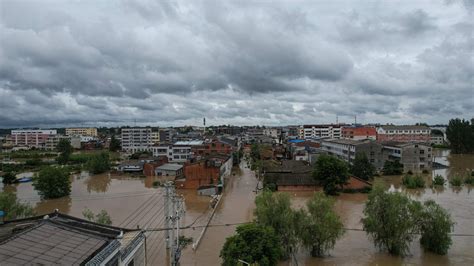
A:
[240,62]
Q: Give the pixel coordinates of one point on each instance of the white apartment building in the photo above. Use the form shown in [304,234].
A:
[332,131]
[179,152]
[136,139]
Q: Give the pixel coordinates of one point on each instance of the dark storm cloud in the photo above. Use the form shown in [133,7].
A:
[174,62]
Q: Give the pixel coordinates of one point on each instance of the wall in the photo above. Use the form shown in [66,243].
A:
[198,174]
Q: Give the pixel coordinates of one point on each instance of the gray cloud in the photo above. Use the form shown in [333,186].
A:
[174,62]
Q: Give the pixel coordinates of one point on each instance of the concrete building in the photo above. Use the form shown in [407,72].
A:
[81,131]
[347,149]
[404,133]
[136,139]
[36,138]
[60,239]
[155,137]
[166,134]
[332,131]
[359,133]
[52,141]
[437,139]
[179,152]
[170,169]
[209,171]
[414,156]
[272,132]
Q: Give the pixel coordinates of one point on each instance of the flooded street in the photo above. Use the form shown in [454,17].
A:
[133,201]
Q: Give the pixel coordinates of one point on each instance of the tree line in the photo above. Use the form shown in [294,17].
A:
[391,219]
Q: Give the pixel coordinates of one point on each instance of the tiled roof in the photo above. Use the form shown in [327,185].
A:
[55,239]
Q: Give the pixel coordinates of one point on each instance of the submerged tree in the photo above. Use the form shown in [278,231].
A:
[321,227]
[274,210]
[436,228]
[52,182]
[98,163]
[252,243]
[114,144]
[9,178]
[391,220]
[65,149]
[102,217]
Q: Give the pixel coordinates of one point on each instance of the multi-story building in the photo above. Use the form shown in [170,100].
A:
[331,131]
[347,149]
[212,146]
[414,156]
[179,152]
[82,131]
[272,132]
[359,133]
[155,137]
[136,139]
[166,134]
[36,138]
[52,141]
[404,133]
[437,139]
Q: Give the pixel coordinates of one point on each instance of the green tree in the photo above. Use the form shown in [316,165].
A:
[252,243]
[391,220]
[255,152]
[102,217]
[65,149]
[392,168]
[99,163]
[13,208]
[436,228]
[9,178]
[460,135]
[114,144]
[331,173]
[322,226]
[274,210]
[361,167]
[52,182]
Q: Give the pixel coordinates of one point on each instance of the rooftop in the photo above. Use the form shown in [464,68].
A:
[56,238]
[405,127]
[348,141]
[170,167]
[189,142]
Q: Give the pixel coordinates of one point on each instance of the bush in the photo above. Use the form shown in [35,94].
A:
[456,181]
[436,228]
[425,171]
[357,190]
[13,208]
[438,180]
[52,182]
[410,172]
[469,180]
[413,182]
[392,168]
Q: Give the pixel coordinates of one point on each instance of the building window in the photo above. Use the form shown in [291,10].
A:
[422,151]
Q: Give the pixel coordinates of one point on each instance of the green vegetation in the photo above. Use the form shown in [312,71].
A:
[252,243]
[274,210]
[392,220]
[456,181]
[65,149]
[321,226]
[137,155]
[435,228]
[331,173]
[413,182]
[101,218]
[13,208]
[392,168]
[361,167]
[9,178]
[460,134]
[115,144]
[469,179]
[52,182]
[438,181]
[98,163]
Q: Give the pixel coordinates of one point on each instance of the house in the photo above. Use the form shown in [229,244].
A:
[211,170]
[346,149]
[289,175]
[58,238]
[150,165]
[170,169]
[403,133]
[414,156]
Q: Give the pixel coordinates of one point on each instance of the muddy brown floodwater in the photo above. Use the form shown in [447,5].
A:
[132,202]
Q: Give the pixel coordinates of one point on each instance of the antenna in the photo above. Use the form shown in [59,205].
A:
[337,119]
[355,120]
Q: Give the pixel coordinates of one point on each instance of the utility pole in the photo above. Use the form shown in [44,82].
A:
[168,192]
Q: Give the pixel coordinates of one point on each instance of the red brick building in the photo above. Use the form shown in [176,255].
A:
[359,133]
[209,171]
[211,147]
